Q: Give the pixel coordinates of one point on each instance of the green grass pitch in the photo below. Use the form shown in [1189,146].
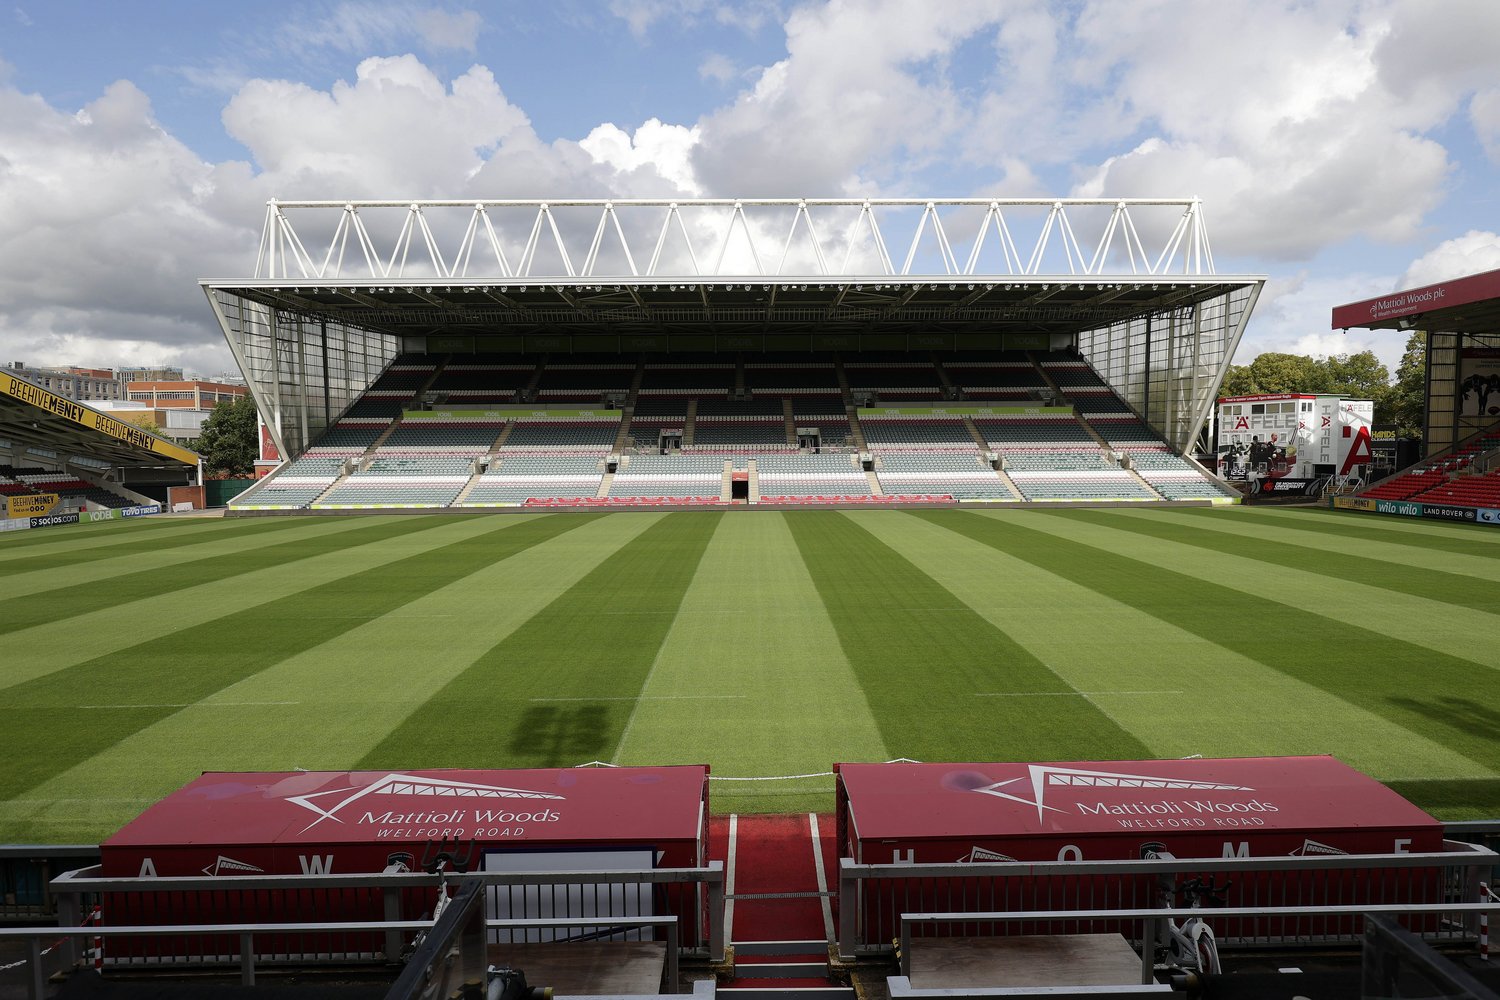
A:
[133,656]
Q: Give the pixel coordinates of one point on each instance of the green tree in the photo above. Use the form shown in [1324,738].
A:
[228,442]
[1238,382]
[1360,376]
[1274,372]
[1406,403]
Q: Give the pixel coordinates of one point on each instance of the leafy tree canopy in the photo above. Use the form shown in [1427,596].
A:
[228,441]
[1359,376]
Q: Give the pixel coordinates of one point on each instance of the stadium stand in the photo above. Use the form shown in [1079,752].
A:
[788,421]
[800,476]
[663,477]
[1433,479]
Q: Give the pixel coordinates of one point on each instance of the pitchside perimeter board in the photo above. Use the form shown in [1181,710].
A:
[1107,810]
[341,822]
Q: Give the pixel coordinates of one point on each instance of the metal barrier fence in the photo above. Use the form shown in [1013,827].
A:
[692,897]
[246,954]
[1147,922]
[1397,963]
[26,871]
[1072,896]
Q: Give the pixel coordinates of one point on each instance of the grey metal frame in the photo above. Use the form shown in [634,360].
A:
[304,372]
[246,960]
[1150,920]
[75,890]
[857,882]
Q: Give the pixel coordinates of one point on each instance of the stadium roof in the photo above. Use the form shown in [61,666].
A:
[1468,305]
[1050,303]
[340,289]
[733,265]
[32,417]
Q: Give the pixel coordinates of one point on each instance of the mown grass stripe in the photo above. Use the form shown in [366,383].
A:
[751,677]
[1449,588]
[46,734]
[1454,798]
[1430,536]
[921,655]
[22,544]
[1417,620]
[53,595]
[1445,535]
[1476,568]
[91,556]
[1132,664]
[1398,680]
[596,640]
[46,649]
[347,693]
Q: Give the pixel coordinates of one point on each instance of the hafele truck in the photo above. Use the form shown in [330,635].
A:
[1294,435]
[1255,807]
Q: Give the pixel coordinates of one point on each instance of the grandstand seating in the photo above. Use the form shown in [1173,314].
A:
[72,488]
[1089,485]
[377,490]
[667,476]
[739,435]
[798,475]
[471,438]
[1426,480]
[727,409]
[562,435]
[913,434]
[1466,491]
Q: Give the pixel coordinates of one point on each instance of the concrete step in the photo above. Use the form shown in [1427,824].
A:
[789,992]
[780,970]
[814,946]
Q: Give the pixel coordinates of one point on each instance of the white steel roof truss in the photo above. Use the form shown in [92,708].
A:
[281,252]
[738,215]
[607,216]
[812,234]
[1007,244]
[673,213]
[867,214]
[950,265]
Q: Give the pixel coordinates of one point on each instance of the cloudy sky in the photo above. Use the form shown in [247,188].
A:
[1344,148]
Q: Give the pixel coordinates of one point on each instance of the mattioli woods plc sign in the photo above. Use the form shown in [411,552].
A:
[1134,801]
[408,807]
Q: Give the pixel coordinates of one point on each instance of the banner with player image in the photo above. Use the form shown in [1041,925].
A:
[1478,387]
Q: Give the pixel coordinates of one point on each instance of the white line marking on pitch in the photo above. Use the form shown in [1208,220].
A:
[197,704]
[653,697]
[734,839]
[817,845]
[1061,694]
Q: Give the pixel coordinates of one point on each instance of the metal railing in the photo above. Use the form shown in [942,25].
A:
[247,958]
[26,871]
[691,898]
[1150,921]
[1078,896]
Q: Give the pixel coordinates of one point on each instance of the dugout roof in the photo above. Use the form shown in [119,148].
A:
[341,288]
[33,417]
